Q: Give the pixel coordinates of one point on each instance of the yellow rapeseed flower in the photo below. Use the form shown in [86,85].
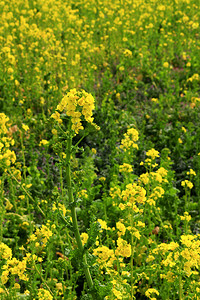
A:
[187,183]
[43,143]
[76,104]
[129,139]
[25,127]
[152,153]
[84,237]
[44,295]
[165,64]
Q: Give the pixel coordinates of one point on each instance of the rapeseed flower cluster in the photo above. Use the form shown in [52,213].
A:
[191,172]
[44,295]
[125,168]
[183,256]
[76,104]
[151,291]
[7,156]
[84,237]
[105,256]
[186,217]
[123,248]
[5,251]
[130,139]
[11,265]
[3,124]
[14,267]
[159,176]
[187,183]
[132,196]
[41,236]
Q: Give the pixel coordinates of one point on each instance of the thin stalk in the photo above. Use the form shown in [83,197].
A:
[29,196]
[180,288]
[23,156]
[61,182]
[131,262]
[63,218]
[132,251]
[42,278]
[80,140]
[161,222]
[12,193]
[73,213]
[176,213]
[2,208]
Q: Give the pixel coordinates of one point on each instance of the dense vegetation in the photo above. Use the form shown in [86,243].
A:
[99,149]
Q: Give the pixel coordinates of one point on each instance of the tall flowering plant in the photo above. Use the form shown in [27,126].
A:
[76,107]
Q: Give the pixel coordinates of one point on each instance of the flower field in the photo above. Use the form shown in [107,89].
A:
[100,149]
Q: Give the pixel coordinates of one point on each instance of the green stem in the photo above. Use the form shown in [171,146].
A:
[23,156]
[176,213]
[180,288]
[12,193]
[61,182]
[43,280]
[29,196]
[73,213]
[1,207]
[132,253]
[80,140]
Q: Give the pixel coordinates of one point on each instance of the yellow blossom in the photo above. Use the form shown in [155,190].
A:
[127,53]
[94,151]
[103,224]
[126,168]
[44,295]
[183,128]
[54,131]
[129,139]
[5,251]
[151,291]
[102,179]
[123,248]
[8,205]
[76,104]
[154,100]
[180,141]
[84,237]
[121,227]
[43,143]
[191,172]
[25,127]
[152,153]
[186,217]
[165,64]
[187,183]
